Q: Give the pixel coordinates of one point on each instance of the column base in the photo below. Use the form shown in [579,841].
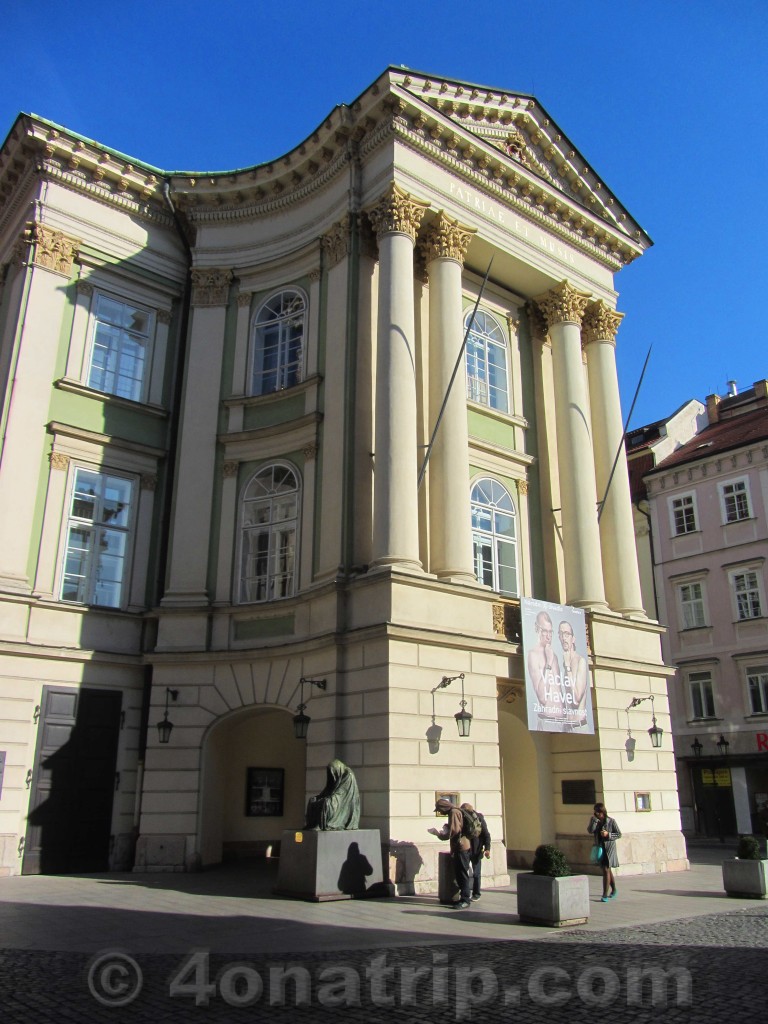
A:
[407,564]
[457,576]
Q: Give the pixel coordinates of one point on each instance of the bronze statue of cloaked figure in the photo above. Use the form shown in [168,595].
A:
[338,806]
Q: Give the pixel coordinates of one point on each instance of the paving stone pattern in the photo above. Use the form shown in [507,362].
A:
[710,968]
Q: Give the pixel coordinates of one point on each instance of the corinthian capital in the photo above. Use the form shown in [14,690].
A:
[397,211]
[336,242]
[446,239]
[563,305]
[600,323]
[52,250]
[210,286]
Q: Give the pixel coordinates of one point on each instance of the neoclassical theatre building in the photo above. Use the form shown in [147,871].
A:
[249,475]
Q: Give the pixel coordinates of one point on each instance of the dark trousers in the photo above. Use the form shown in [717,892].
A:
[477,867]
[462,863]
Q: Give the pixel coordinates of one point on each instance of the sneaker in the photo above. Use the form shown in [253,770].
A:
[461,905]
[476,896]
[613,895]
[604,899]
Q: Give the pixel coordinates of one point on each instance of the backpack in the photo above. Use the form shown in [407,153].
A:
[472,827]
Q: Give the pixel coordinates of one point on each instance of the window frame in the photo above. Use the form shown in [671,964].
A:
[727,520]
[684,604]
[760,672]
[706,693]
[289,371]
[496,538]
[474,380]
[756,590]
[96,530]
[691,496]
[273,529]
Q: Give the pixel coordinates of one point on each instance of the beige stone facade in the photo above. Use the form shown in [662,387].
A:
[219,395]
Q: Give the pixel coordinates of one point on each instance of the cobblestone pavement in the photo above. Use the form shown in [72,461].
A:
[713,967]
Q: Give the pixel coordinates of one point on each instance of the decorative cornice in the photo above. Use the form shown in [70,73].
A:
[314,275]
[210,286]
[148,481]
[336,242]
[58,460]
[446,239]
[522,487]
[51,249]
[229,469]
[310,452]
[164,316]
[600,323]
[244,300]
[564,304]
[85,288]
[397,211]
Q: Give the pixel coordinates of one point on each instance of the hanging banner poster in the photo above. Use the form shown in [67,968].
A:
[557,681]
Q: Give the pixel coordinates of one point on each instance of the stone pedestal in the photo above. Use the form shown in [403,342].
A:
[555,902]
[322,866]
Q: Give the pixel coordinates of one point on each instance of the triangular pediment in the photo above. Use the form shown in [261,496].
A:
[516,125]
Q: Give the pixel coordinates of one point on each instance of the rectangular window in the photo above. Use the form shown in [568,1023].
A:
[119,348]
[757,684]
[97,539]
[702,698]
[692,605]
[746,588]
[683,515]
[735,501]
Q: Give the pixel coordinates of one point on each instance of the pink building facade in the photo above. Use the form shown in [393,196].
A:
[708,504]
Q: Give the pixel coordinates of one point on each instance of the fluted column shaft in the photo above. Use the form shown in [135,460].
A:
[617,536]
[395,514]
[450,527]
[563,309]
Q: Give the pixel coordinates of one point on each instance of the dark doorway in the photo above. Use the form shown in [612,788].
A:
[73,782]
[713,792]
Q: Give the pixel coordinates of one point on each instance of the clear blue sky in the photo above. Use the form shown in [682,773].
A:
[665,99]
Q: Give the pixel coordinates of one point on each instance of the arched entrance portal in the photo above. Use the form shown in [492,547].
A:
[526,781]
[253,783]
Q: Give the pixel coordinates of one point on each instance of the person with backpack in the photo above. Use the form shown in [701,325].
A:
[476,830]
[461,848]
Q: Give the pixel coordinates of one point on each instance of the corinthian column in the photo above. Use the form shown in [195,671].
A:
[617,535]
[449,509]
[563,309]
[395,219]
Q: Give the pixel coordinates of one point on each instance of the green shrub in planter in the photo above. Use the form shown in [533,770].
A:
[749,848]
[550,861]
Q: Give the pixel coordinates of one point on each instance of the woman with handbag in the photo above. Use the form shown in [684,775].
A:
[605,831]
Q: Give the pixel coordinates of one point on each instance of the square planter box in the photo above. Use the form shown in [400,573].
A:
[745,877]
[555,902]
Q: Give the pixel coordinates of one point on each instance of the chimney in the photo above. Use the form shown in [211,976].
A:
[761,389]
[713,412]
[732,388]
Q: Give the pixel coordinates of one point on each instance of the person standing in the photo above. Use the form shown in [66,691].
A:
[574,679]
[476,830]
[605,831]
[453,831]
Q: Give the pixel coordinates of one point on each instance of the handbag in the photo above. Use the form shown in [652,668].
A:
[596,854]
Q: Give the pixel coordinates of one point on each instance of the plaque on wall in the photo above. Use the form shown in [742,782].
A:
[264,789]
[578,791]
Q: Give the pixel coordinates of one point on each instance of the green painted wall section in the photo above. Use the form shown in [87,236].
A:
[256,629]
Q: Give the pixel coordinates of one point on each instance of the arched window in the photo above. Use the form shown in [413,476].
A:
[278,343]
[486,361]
[268,543]
[494,536]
